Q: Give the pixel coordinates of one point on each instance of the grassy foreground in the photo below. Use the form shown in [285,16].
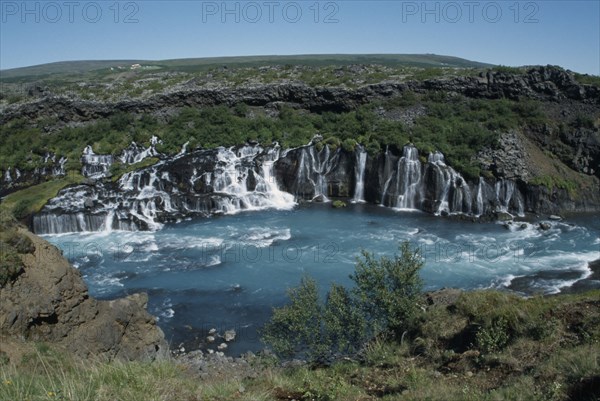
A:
[479,345]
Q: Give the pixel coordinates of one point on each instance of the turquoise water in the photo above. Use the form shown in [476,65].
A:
[229,271]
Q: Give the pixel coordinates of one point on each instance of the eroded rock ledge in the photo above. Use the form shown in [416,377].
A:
[49,302]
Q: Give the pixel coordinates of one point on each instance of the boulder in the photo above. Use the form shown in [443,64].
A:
[229,335]
[502,216]
[49,302]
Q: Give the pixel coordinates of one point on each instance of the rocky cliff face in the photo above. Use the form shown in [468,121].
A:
[49,302]
[206,182]
[540,83]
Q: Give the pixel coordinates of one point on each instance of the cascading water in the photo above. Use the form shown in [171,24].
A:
[268,184]
[7,176]
[359,172]
[408,179]
[235,180]
[206,182]
[509,198]
[388,171]
[95,166]
[314,167]
[480,209]
[238,170]
[402,180]
[455,196]
[136,153]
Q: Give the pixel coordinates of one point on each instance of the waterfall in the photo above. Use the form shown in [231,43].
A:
[183,150]
[237,169]
[359,172]
[408,179]
[509,197]
[135,153]
[403,183]
[95,166]
[7,176]
[387,172]
[313,170]
[236,179]
[480,209]
[109,221]
[268,183]
[229,180]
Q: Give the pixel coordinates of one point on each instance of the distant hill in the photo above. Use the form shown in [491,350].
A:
[192,64]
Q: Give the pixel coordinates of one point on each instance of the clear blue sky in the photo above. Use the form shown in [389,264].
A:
[566,33]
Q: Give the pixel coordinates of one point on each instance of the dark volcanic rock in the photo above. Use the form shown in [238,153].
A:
[541,83]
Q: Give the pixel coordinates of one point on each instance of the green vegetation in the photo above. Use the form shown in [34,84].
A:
[388,290]
[552,182]
[385,300]
[30,200]
[66,69]
[12,244]
[549,351]
[587,79]
[118,169]
[336,204]
[455,125]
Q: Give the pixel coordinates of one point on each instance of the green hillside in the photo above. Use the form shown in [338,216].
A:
[66,68]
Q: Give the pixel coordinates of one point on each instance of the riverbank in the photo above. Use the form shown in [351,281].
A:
[480,345]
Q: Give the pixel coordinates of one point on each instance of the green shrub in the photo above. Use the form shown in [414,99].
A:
[349,145]
[494,337]
[385,299]
[389,289]
[11,264]
[296,328]
[338,204]
[373,148]
[345,325]
[22,209]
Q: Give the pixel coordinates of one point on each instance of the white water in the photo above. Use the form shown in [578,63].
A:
[314,167]
[231,180]
[361,163]
[480,209]
[95,166]
[232,270]
[408,179]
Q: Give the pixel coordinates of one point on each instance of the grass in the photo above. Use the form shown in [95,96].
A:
[117,170]
[30,200]
[553,354]
[552,182]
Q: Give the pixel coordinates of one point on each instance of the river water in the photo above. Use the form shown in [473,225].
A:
[229,271]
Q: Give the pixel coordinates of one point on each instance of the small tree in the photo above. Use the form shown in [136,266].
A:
[389,289]
[296,328]
[345,326]
[384,299]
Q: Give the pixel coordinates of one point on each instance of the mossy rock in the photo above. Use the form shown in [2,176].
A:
[338,204]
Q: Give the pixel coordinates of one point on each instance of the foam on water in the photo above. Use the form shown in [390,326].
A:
[231,271]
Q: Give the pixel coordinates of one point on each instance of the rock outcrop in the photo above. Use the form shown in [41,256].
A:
[49,302]
[207,182]
[540,83]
